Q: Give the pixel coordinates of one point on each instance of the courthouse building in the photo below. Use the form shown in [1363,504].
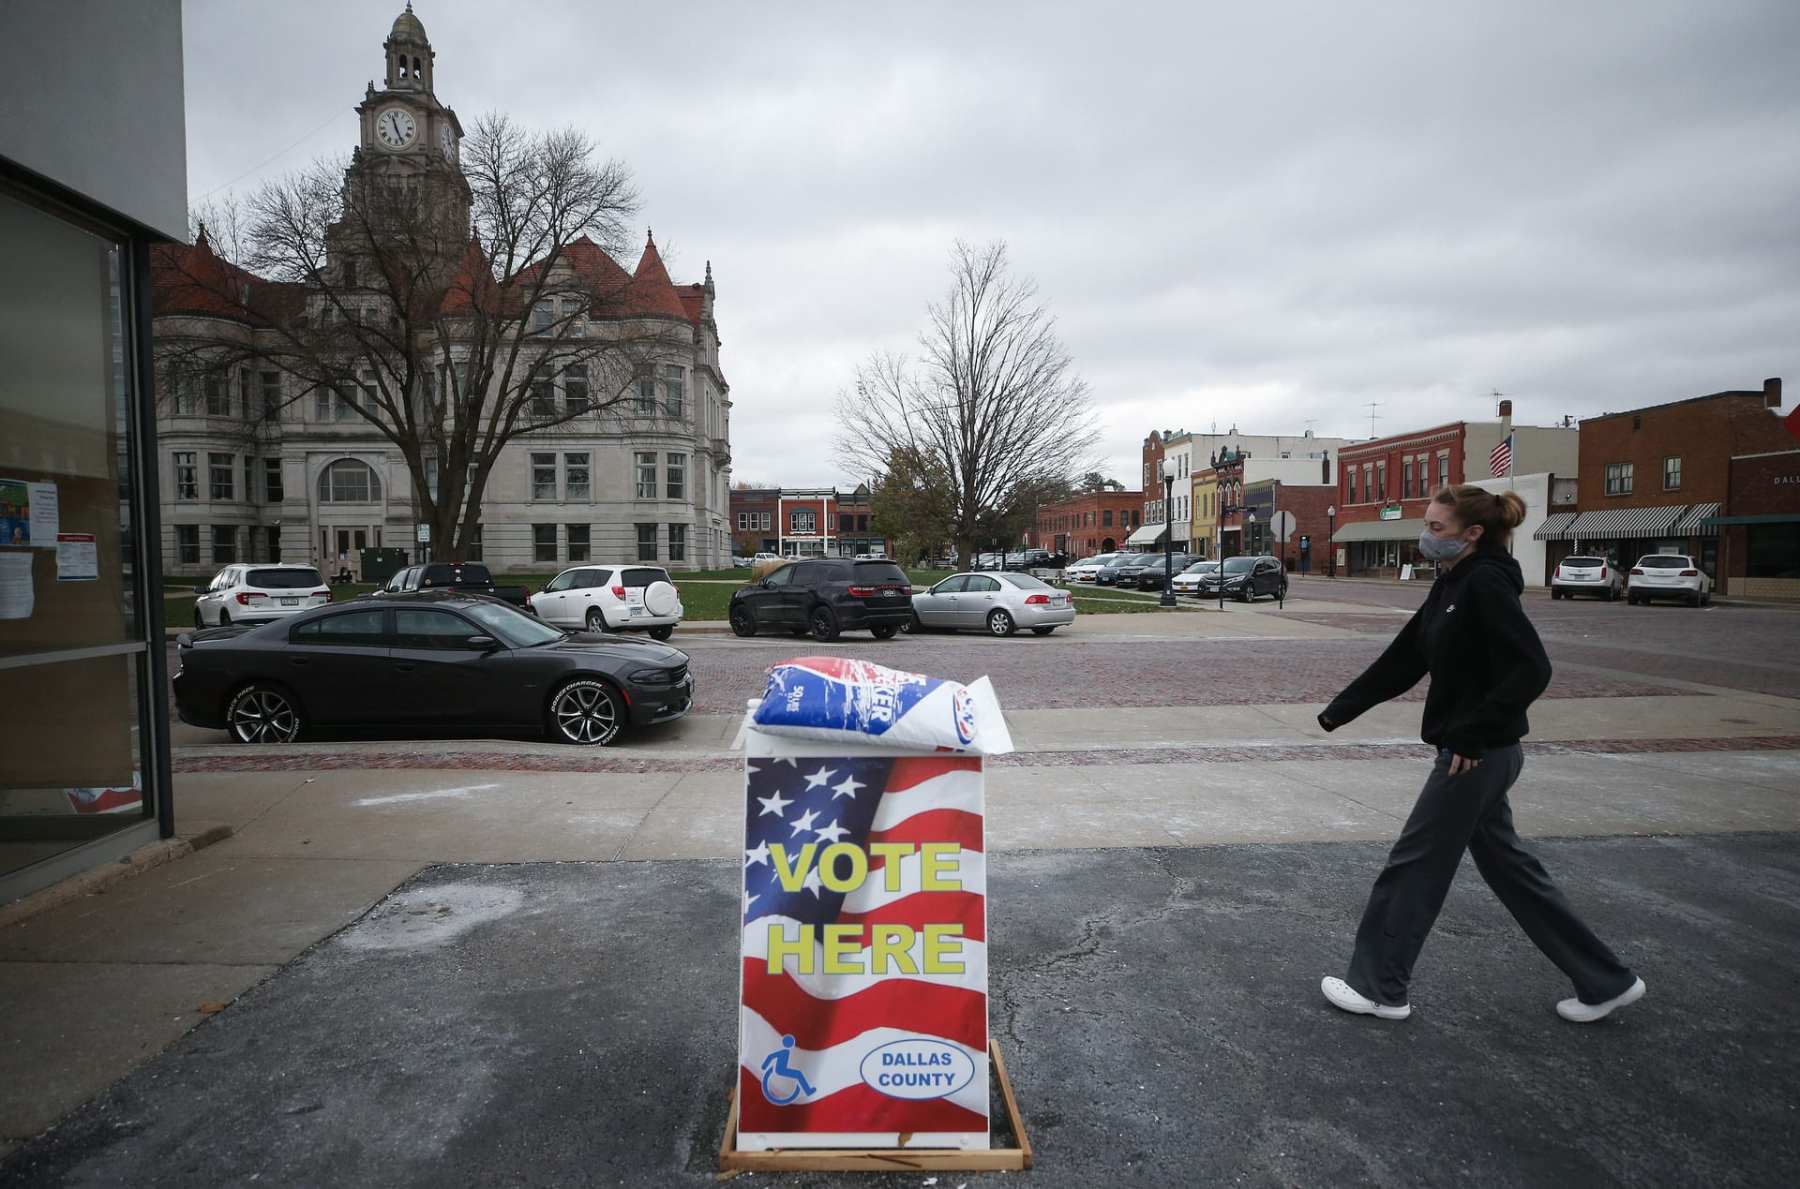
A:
[257,466]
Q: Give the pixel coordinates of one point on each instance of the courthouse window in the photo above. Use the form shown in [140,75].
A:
[578,542]
[187,544]
[675,392]
[646,475]
[677,476]
[543,476]
[187,484]
[646,542]
[543,542]
[224,543]
[575,476]
[219,483]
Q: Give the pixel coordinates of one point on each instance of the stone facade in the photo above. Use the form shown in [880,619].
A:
[257,467]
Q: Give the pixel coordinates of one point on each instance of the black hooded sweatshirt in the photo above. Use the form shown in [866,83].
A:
[1485,660]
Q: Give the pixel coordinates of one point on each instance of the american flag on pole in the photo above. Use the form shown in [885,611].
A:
[1500,461]
[864,1058]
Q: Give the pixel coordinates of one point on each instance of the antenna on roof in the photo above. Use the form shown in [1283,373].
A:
[1372,406]
[1496,394]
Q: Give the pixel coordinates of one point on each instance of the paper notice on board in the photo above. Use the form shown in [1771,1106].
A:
[46,516]
[15,512]
[15,586]
[77,557]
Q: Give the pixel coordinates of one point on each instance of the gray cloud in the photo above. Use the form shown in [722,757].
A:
[1266,217]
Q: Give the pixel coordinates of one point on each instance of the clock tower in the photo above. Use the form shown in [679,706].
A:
[410,141]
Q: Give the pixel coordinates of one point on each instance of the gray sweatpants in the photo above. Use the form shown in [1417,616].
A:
[1454,812]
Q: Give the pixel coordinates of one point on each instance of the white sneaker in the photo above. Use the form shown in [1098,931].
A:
[1343,995]
[1577,1012]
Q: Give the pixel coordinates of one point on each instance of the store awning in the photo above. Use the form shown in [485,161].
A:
[1380,530]
[1693,521]
[1150,534]
[1616,524]
[1764,518]
[1555,526]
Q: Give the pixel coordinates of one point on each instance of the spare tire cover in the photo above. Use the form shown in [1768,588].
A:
[660,598]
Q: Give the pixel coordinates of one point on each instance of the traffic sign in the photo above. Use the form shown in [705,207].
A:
[1282,524]
[424,533]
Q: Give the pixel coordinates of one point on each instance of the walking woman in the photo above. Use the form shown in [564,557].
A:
[1486,665]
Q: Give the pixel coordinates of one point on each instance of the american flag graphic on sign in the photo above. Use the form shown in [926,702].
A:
[863,1013]
[1500,461]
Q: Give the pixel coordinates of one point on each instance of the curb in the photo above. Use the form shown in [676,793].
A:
[98,880]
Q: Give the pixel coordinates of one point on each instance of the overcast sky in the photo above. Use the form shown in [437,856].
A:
[1263,215]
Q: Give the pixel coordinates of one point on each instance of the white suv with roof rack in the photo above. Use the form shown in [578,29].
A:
[1669,576]
[258,594]
[1587,574]
[610,599]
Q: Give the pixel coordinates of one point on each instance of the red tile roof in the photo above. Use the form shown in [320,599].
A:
[192,279]
[651,290]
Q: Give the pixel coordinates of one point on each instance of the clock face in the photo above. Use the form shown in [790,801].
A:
[447,140]
[395,128]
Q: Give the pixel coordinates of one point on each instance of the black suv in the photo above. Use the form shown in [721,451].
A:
[1149,575]
[1246,577]
[467,576]
[825,596]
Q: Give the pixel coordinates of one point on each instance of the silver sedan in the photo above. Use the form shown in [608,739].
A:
[998,603]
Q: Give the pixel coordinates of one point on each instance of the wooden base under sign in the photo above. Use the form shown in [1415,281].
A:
[732,1161]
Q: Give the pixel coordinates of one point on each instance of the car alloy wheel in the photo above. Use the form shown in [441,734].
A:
[885,631]
[742,622]
[596,620]
[262,714]
[1000,623]
[585,712]
[823,624]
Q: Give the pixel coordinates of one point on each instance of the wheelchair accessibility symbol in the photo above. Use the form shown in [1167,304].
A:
[775,1065]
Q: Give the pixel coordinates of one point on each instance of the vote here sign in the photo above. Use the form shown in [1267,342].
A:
[863,1010]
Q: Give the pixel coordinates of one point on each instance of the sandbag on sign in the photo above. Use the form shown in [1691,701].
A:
[838,699]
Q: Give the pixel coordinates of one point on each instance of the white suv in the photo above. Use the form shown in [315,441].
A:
[1669,576]
[610,599]
[258,594]
[1587,575]
[1085,569]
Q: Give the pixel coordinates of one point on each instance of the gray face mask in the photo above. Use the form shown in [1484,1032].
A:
[1441,548]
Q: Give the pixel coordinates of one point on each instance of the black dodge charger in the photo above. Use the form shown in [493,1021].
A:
[437,657]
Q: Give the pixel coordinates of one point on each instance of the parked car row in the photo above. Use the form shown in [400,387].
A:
[1656,576]
[610,599]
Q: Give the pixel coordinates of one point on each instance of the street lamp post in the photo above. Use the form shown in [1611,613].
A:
[1168,478]
[1331,541]
[1249,536]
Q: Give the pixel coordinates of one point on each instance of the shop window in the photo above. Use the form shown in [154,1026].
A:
[1774,551]
[543,542]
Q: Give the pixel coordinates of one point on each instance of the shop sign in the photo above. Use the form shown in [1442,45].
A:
[1390,512]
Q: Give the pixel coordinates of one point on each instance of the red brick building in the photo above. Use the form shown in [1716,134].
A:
[1096,522]
[1668,478]
[753,520]
[1305,548]
[810,522]
[1384,486]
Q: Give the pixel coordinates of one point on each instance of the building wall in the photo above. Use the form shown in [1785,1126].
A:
[1203,524]
[1704,433]
[1532,555]
[1088,524]
[1151,496]
[749,505]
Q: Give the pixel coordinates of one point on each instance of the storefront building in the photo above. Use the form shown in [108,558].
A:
[1385,486]
[1662,479]
[92,173]
[1760,529]
[1095,522]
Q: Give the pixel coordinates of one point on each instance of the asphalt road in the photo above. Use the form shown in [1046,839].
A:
[573,1024]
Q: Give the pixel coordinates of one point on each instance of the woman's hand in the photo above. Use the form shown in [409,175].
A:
[1461,764]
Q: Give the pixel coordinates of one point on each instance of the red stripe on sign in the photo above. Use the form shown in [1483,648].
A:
[854,1108]
[926,908]
[912,771]
[952,1013]
[933,825]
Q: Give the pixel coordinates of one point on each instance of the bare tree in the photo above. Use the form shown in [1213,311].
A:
[451,307]
[992,409]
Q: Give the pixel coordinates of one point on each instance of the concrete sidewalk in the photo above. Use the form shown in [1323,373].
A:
[573,1024]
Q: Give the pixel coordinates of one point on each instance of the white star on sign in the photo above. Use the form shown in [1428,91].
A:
[749,900]
[820,777]
[759,855]
[830,834]
[790,761]
[847,789]
[774,804]
[812,883]
[805,822]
